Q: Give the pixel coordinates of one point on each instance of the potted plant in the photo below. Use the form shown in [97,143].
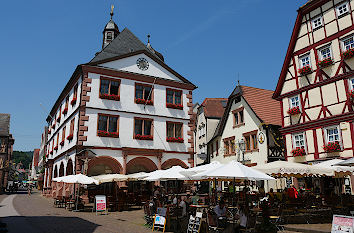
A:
[351,95]
[294,110]
[110,97]
[305,70]
[103,133]
[70,137]
[176,106]
[325,62]
[332,147]
[299,151]
[348,54]
[73,101]
[143,137]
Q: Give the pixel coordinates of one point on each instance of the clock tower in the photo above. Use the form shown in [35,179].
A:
[110,31]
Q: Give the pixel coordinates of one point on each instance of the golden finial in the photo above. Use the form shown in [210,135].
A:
[112,7]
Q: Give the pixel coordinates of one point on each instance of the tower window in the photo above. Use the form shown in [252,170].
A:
[109,36]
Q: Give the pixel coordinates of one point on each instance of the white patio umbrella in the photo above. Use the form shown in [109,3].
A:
[285,168]
[137,176]
[172,173]
[234,170]
[191,173]
[107,178]
[76,179]
[348,162]
[340,171]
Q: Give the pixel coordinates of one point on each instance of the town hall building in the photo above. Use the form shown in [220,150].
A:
[125,111]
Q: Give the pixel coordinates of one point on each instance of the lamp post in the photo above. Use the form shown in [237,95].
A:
[242,145]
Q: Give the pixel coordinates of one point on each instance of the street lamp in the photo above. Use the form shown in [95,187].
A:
[242,145]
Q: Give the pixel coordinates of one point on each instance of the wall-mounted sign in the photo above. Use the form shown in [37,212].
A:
[261,137]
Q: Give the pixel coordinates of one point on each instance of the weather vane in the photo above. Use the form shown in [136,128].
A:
[112,7]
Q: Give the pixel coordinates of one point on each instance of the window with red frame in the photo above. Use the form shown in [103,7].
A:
[251,141]
[71,132]
[174,132]
[63,136]
[109,89]
[238,116]
[142,128]
[66,107]
[107,125]
[173,98]
[73,101]
[59,114]
[143,94]
[56,147]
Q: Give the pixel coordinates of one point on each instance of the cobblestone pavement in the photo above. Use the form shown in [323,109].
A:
[37,214]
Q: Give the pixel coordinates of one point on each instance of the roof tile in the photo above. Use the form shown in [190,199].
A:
[213,107]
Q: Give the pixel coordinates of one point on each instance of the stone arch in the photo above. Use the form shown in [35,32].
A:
[173,162]
[69,167]
[61,169]
[55,171]
[140,164]
[101,164]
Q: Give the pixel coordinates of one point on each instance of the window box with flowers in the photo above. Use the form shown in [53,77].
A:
[65,111]
[325,62]
[103,133]
[348,54]
[143,137]
[62,143]
[58,119]
[143,101]
[174,139]
[298,152]
[351,95]
[56,148]
[294,111]
[51,152]
[73,101]
[70,137]
[332,147]
[175,106]
[110,97]
[305,70]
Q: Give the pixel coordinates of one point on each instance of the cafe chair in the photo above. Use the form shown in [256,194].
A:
[212,222]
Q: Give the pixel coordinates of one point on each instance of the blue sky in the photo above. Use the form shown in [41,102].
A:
[208,42]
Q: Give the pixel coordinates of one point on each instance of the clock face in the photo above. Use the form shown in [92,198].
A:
[142,63]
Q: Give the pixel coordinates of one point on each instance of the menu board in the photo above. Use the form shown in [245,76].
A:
[100,202]
[194,223]
[342,224]
[159,222]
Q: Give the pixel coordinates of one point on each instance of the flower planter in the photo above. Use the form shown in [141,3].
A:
[348,54]
[143,137]
[351,95]
[294,111]
[56,148]
[65,111]
[173,139]
[175,106]
[58,119]
[70,137]
[110,97]
[298,152]
[102,133]
[62,143]
[332,147]
[305,70]
[325,62]
[143,101]
[73,101]
[51,152]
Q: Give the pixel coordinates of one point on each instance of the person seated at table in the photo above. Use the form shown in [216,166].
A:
[157,191]
[271,196]
[220,211]
[242,215]
[195,199]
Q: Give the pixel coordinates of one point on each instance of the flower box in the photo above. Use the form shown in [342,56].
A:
[58,119]
[298,152]
[351,95]
[70,137]
[176,106]
[62,143]
[348,54]
[332,147]
[56,148]
[65,111]
[173,139]
[143,101]
[73,101]
[294,111]
[53,126]
[325,62]
[51,152]
[143,137]
[305,70]
[110,97]
[102,133]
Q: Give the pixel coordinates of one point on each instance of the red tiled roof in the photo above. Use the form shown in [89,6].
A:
[262,103]
[213,107]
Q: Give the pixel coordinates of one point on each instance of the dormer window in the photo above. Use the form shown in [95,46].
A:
[342,9]
[317,23]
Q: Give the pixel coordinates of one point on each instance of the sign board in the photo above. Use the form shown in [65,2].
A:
[342,224]
[159,222]
[100,203]
[195,223]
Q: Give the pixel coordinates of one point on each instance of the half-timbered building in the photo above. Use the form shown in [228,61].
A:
[125,111]
[316,84]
